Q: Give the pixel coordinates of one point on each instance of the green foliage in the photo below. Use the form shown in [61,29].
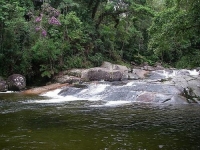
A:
[46,53]
[97,59]
[72,26]
[14,35]
[77,62]
[189,61]
[174,34]
[89,32]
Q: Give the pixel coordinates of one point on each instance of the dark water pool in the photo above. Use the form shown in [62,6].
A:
[76,125]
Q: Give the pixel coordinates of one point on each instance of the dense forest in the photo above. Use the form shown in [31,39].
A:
[39,38]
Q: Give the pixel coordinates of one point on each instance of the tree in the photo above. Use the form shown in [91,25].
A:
[14,35]
[174,34]
[65,34]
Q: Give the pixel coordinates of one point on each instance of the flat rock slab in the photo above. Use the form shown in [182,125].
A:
[44,89]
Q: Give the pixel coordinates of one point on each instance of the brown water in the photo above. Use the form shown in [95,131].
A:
[76,125]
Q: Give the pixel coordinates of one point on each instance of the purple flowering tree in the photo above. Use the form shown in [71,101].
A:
[50,17]
[54,21]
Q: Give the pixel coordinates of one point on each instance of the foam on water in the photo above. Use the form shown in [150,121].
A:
[96,88]
[130,84]
[193,72]
[53,94]
[173,73]
[116,103]
[57,100]
[112,104]
[169,74]
[92,90]
[7,92]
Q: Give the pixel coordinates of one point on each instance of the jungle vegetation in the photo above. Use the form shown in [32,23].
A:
[39,38]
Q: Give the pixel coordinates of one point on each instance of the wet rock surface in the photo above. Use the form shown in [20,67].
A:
[168,86]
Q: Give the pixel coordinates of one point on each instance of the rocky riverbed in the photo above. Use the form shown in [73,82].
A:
[141,84]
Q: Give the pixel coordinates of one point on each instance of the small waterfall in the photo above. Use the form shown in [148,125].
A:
[173,73]
[110,95]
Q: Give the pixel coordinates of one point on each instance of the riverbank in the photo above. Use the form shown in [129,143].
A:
[146,84]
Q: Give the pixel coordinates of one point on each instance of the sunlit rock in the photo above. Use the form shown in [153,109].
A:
[146,97]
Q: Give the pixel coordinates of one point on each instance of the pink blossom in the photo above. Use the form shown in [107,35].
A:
[38,19]
[44,33]
[37,28]
[54,21]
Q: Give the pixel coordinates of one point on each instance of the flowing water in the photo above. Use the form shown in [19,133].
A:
[75,123]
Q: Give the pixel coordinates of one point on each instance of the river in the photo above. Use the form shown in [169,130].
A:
[42,123]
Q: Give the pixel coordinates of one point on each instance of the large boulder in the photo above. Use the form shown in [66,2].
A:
[123,69]
[97,74]
[189,85]
[107,72]
[16,82]
[3,86]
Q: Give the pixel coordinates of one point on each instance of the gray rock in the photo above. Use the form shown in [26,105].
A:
[177,99]
[111,66]
[168,86]
[123,69]
[16,82]
[107,72]
[97,74]
[84,75]
[156,75]
[3,86]
[189,87]
[140,73]
[159,67]
[107,65]
[133,76]
[146,97]
[163,98]
[195,86]
[74,72]
[148,68]
[66,79]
